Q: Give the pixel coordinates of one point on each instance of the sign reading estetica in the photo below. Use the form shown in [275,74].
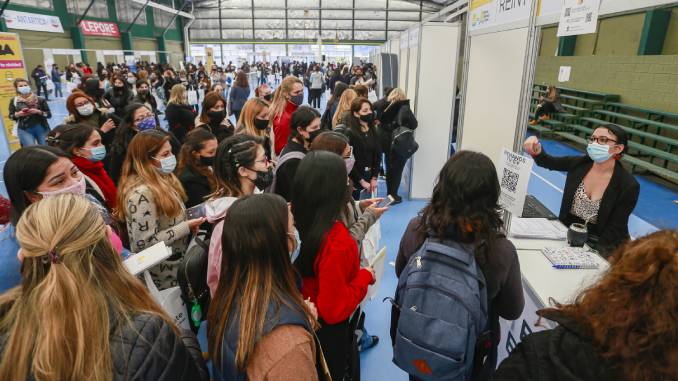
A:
[99,28]
[33,21]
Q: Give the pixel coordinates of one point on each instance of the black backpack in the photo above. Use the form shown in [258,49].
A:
[402,142]
[192,279]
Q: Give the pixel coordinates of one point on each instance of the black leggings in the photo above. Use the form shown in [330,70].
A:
[314,97]
[339,347]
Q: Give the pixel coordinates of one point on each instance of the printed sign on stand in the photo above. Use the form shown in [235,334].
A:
[11,67]
[564,73]
[514,174]
[578,17]
[32,21]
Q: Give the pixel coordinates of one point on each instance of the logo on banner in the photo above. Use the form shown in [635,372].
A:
[99,28]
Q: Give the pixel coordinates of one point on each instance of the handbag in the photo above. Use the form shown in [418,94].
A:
[170,300]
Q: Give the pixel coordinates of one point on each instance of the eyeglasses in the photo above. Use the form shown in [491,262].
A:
[600,139]
[264,161]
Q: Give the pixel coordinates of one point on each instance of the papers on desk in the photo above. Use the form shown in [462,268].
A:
[570,257]
[537,228]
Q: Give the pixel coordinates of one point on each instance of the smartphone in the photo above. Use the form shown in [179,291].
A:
[197,211]
[386,202]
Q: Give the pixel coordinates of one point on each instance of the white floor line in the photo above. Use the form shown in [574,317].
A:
[554,186]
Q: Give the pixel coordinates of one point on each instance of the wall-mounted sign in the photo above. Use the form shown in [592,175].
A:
[578,17]
[11,67]
[489,13]
[99,28]
[32,21]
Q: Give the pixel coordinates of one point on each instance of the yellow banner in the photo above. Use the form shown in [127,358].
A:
[479,3]
[11,66]
[210,58]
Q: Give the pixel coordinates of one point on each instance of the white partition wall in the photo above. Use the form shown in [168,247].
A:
[403,58]
[410,86]
[435,92]
[493,91]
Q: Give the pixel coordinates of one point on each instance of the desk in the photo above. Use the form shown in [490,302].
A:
[541,282]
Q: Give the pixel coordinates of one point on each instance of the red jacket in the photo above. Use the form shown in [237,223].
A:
[339,284]
[281,127]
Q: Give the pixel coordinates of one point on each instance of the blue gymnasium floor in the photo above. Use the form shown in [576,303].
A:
[655,210]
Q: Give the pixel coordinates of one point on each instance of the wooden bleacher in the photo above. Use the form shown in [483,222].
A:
[653,134]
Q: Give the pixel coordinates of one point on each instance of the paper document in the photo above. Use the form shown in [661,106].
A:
[144,260]
[570,257]
[377,264]
[514,174]
[538,228]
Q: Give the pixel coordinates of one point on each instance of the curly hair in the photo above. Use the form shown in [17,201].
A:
[632,312]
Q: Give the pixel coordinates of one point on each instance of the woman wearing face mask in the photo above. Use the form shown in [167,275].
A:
[119,96]
[598,190]
[138,118]
[84,146]
[196,161]
[179,114]
[305,126]
[239,94]
[286,99]
[241,167]
[31,174]
[259,327]
[104,80]
[131,81]
[151,202]
[82,111]
[366,148]
[254,121]
[264,92]
[213,117]
[145,97]
[30,112]
[329,261]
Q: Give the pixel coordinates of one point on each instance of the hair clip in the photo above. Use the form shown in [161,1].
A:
[53,256]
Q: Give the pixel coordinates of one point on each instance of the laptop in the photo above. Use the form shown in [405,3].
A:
[533,208]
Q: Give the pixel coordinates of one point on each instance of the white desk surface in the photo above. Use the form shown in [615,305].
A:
[545,281]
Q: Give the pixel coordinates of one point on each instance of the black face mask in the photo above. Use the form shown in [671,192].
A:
[314,134]
[264,179]
[207,161]
[216,117]
[369,118]
[142,92]
[268,97]
[118,89]
[260,124]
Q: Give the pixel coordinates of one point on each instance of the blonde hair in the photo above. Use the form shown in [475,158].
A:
[178,95]
[74,291]
[396,95]
[280,96]
[250,111]
[137,170]
[344,105]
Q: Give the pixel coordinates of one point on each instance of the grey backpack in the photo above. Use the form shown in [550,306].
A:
[441,311]
[288,156]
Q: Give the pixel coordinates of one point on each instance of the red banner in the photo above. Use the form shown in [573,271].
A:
[99,28]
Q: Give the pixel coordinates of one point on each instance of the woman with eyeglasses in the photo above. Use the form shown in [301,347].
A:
[241,167]
[598,192]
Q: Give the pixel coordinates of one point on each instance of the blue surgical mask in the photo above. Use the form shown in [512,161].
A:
[167,164]
[98,153]
[294,254]
[146,124]
[599,153]
[24,90]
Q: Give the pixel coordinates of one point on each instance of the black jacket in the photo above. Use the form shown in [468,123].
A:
[367,152]
[565,353]
[148,349]
[180,119]
[619,199]
[119,100]
[196,186]
[398,112]
[284,175]
[24,122]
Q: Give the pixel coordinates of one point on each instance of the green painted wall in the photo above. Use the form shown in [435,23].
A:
[608,62]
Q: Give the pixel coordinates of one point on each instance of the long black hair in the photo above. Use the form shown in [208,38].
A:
[72,136]
[234,152]
[465,200]
[24,171]
[339,88]
[125,131]
[321,192]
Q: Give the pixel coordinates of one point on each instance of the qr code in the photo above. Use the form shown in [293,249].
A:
[588,16]
[509,180]
[567,12]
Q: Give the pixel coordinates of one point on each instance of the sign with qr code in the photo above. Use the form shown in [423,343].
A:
[514,175]
[578,17]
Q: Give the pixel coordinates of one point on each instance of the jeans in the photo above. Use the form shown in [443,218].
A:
[43,86]
[57,90]
[33,135]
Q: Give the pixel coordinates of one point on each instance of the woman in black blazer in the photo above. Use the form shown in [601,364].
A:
[598,189]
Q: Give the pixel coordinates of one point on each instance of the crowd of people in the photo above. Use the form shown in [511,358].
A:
[285,198]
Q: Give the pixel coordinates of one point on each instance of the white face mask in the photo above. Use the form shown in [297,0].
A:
[24,90]
[78,188]
[86,110]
